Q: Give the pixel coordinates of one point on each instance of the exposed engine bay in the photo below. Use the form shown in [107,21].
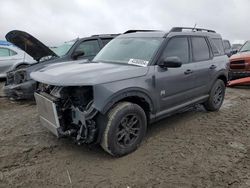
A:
[74,110]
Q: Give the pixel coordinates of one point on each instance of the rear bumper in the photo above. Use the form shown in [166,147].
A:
[21,91]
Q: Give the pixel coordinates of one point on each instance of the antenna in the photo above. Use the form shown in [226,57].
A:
[194,26]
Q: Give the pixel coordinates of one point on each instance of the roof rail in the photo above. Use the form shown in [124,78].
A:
[104,35]
[134,31]
[180,29]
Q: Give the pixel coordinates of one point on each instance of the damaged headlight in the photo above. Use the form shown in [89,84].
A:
[20,76]
[9,77]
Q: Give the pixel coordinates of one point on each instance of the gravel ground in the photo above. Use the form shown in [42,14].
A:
[192,149]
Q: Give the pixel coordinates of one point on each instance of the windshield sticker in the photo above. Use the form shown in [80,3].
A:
[138,62]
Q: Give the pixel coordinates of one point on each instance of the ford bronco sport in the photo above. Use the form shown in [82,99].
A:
[136,79]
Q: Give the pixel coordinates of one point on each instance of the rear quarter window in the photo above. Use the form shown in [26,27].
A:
[219,45]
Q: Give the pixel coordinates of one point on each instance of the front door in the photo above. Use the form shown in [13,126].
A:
[90,49]
[175,85]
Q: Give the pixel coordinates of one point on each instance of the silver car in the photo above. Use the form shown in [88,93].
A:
[12,57]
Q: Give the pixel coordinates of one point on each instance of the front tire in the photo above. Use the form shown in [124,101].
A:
[125,128]
[216,96]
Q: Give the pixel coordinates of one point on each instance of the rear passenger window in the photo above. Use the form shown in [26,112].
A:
[177,47]
[200,49]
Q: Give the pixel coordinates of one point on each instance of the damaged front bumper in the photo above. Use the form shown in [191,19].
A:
[66,122]
[238,74]
[23,90]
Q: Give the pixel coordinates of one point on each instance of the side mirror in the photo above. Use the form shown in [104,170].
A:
[170,62]
[77,54]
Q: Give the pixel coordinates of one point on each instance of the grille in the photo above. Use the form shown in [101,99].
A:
[238,64]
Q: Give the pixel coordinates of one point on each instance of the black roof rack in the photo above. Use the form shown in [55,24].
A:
[134,31]
[104,35]
[180,29]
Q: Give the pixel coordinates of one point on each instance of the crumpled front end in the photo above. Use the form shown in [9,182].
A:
[67,112]
[19,86]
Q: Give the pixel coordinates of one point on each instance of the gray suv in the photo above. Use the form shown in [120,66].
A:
[136,79]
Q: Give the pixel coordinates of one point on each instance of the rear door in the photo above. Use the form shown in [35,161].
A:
[175,85]
[202,61]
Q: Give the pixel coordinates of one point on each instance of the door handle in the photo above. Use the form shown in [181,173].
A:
[188,72]
[213,67]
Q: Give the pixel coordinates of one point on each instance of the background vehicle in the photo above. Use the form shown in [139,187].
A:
[227,47]
[19,85]
[11,58]
[240,63]
[236,48]
[138,78]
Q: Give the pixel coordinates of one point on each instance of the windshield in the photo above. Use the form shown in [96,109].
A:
[64,48]
[236,46]
[125,50]
[245,47]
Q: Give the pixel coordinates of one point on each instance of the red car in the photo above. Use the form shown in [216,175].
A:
[240,63]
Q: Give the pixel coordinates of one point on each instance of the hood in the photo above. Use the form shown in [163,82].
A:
[29,44]
[240,56]
[80,73]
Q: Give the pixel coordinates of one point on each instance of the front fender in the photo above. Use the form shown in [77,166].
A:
[124,93]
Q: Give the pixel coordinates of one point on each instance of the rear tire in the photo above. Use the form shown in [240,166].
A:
[216,96]
[125,128]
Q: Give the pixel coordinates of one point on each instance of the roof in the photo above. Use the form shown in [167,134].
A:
[158,34]
[173,32]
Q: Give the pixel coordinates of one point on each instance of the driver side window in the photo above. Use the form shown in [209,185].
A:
[90,48]
[177,47]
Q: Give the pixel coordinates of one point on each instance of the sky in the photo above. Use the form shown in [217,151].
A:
[56,21]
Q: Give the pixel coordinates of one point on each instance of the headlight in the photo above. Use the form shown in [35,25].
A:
[20,76]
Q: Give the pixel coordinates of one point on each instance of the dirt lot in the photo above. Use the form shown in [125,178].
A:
[192,149]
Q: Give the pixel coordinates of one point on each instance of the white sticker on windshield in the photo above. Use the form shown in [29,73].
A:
[138,62]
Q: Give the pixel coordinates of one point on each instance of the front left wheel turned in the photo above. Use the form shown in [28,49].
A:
[125,129]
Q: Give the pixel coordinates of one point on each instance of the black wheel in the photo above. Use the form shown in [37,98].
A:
[216,96]
[125,128]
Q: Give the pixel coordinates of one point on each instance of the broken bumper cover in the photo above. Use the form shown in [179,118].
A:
[48,114]
[24,90]
[238,74]
[80,126]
